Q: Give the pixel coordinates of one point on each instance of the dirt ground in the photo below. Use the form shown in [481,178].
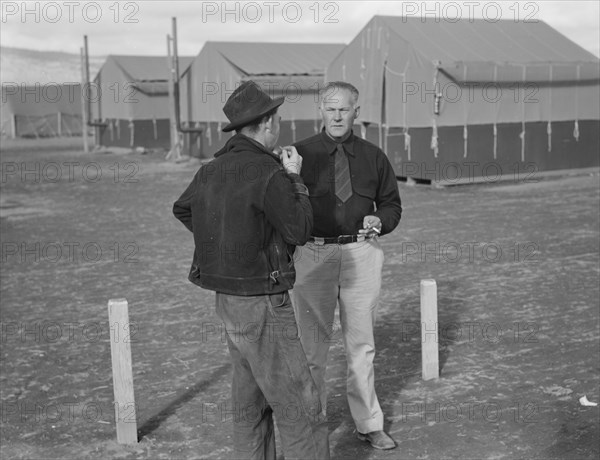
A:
[517,271]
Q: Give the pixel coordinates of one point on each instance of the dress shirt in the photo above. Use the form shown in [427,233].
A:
[374,185]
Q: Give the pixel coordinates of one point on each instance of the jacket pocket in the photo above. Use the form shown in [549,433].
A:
[366,192]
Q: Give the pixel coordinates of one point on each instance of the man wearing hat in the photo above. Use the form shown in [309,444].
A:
[247,209]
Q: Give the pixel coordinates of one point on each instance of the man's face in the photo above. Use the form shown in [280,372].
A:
[338,112]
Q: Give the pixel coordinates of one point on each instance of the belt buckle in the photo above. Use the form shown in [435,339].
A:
[319,240]
[360,238]
[340,238]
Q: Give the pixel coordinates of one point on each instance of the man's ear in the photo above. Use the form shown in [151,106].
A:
[269,123]
[356,112]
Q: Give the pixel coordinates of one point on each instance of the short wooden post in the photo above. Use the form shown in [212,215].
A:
[429,330]
[120,348]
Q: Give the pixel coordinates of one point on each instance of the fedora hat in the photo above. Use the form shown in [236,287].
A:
[247,103]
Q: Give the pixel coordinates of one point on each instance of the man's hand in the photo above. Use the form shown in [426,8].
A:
[371,226]
[291,160]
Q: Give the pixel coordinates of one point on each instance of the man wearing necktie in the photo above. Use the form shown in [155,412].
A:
[354,196]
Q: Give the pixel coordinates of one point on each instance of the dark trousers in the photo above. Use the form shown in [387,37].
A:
[271,376]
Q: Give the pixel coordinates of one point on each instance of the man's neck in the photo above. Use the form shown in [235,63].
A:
[257,137]
[339,140]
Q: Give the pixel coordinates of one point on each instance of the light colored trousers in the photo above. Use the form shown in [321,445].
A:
[350,275]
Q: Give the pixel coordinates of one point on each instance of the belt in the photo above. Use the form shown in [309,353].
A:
[342,239]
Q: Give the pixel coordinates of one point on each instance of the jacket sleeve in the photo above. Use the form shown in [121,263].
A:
[288,208]
[389,206]
[182,208]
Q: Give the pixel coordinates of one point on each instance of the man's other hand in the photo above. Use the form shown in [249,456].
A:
[291,160]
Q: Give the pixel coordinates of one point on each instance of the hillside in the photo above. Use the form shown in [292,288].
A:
[18,65]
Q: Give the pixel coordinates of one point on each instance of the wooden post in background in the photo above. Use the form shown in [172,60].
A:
[120,351]
[429,330]
[85,91]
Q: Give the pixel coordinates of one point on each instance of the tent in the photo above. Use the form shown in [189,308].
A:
[292,70]
[453,100]
[130,101]
[41,110]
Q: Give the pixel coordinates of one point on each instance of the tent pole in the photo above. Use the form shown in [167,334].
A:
[383,132]
[180,128]
[88,104]
[87,75]
[84,118]
[174,151]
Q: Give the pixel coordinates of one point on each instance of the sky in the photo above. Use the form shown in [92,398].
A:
[141,27]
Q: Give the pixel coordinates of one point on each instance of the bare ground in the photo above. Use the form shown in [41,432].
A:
[517,270]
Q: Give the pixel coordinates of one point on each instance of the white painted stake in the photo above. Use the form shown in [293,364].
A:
[120,350]
[429,330]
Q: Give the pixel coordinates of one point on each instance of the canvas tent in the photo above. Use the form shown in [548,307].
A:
[450,100]
[41,110]
[130,101]
[293,70]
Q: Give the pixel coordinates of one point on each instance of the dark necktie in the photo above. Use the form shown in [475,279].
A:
[343,186]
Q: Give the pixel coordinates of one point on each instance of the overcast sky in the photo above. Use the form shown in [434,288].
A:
[141,27]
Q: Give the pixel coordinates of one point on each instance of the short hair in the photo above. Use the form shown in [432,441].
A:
[253,125]
[339,85]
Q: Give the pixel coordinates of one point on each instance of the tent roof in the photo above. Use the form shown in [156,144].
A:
[148,68]
[504,41]
[278,58]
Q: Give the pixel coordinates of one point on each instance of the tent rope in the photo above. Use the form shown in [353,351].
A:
[47,123]
[32,126]
[434,132]
[466,119]
[393,72]
[495,141]
[434,138]
[65,125]
[522,95]
[576,127]
[131,132]
[404,104]
[549,126]
[496,116]
[209,134]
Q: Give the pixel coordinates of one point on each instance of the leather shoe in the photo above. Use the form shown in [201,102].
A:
[378,439]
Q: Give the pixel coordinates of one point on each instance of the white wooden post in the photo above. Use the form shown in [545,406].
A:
[429,330]
[120,350]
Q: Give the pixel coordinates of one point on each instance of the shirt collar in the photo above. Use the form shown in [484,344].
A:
[331,145]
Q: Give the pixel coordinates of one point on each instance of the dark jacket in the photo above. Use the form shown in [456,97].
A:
[246,214]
